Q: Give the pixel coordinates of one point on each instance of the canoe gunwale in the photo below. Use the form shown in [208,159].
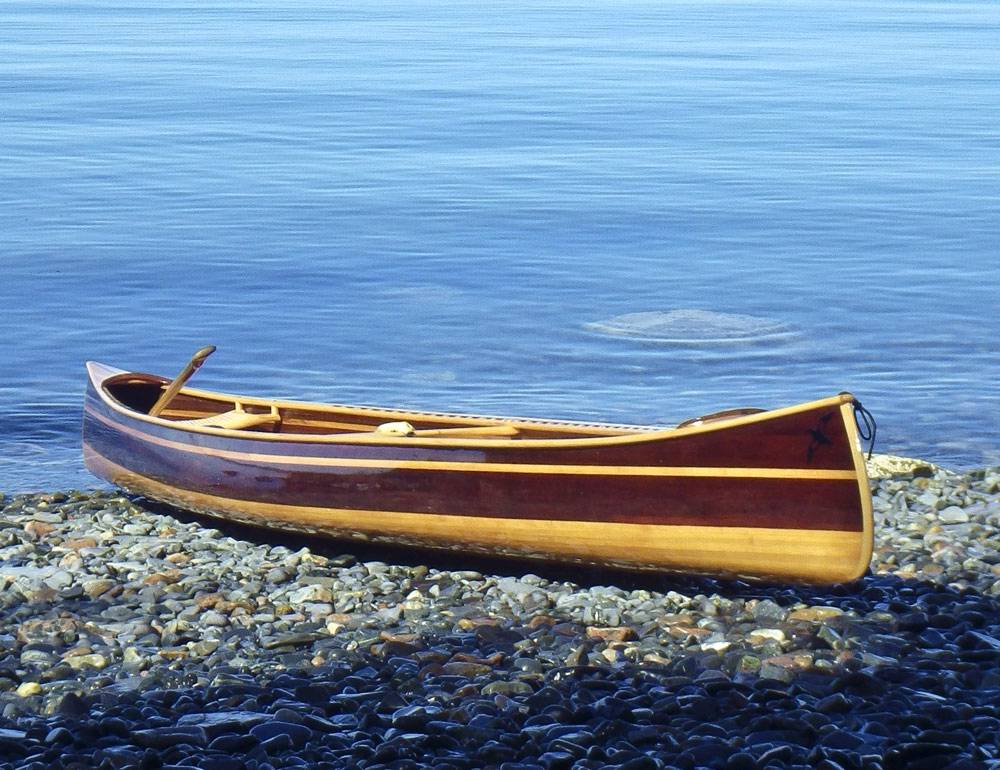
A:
[99,374]
[485,466]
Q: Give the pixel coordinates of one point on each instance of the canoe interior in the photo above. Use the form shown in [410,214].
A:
[138,392]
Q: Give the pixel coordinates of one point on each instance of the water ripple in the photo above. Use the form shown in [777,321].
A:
[691,327]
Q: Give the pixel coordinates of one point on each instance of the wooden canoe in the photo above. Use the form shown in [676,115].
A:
[781,494]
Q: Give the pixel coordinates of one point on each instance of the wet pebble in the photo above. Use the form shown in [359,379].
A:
[132,638]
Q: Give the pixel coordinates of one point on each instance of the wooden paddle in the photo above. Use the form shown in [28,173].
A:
[193,365]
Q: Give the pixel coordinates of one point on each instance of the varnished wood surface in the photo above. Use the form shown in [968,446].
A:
[819,556]
[345,456]
[707,496]
[796,470]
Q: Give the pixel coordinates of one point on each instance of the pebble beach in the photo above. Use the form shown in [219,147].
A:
[133,636]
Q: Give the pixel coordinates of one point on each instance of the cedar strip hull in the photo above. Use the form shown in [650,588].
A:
[783,496]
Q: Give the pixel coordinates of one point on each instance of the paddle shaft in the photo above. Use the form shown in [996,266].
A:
[174,388]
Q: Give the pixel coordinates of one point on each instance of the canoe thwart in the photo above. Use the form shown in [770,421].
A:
[483,431]
[235,419]
[473,431]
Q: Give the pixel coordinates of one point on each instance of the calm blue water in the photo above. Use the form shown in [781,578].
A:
[463,206]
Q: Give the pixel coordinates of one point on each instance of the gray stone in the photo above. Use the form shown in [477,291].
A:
[215,724]
[213,618]
[953,515]
[59,579]
[507,688]
[310,593]
[291,640]
[165,737]
[296,733]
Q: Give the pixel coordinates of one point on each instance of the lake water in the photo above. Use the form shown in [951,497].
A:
[635,212]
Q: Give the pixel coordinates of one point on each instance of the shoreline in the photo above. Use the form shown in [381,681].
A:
[129,635]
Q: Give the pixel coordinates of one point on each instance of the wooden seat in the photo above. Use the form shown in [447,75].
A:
[235,419]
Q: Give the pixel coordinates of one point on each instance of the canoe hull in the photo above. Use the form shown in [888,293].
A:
[786,496]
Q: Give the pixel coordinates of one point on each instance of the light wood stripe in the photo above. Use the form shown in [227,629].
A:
[864,489]
[821,556]
[804,474]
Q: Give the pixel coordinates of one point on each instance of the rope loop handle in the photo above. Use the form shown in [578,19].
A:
[867,427]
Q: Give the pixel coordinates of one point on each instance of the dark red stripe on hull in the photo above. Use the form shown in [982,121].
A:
[811,504]
[812,440]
